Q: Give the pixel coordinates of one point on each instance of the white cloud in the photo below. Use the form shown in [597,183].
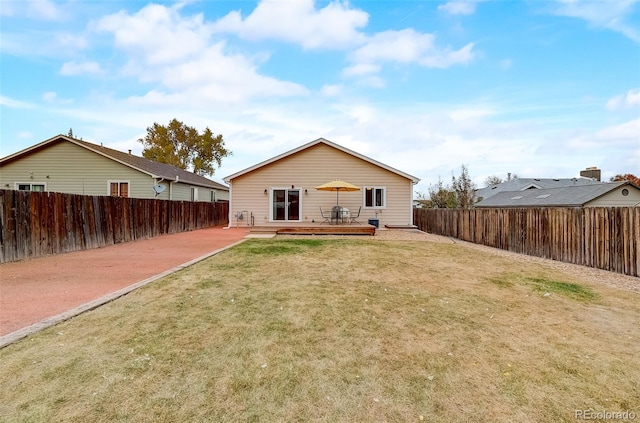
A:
[624,101]
[602,14]
[43,9]
[36,43]
[157,34]
[179,53]
[333,27]
[408,46]
[52,97]
[361,69]
[403,46]
[36,9]
[73,68]
[15,104]
[458,7]
[331,90]
[628,132]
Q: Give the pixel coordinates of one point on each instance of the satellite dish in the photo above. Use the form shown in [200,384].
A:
[159,188]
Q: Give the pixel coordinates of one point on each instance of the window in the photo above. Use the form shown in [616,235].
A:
[213,195]
[375,197]
[118,188]
[40,187]
[194,194]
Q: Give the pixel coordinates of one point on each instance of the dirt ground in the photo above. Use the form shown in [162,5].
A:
[32,290]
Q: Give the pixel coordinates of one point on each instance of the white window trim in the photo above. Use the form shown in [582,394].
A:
[31,184]
[271,189]
[384,197]
[194,194]
[118,181]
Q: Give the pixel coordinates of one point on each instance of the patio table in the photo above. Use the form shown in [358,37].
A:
[340,215]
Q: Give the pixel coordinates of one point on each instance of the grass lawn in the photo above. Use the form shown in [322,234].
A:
[339,330]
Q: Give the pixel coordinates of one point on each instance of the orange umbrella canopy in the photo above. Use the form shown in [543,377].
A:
[337,186]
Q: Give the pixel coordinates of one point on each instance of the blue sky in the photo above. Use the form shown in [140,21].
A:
[535,88]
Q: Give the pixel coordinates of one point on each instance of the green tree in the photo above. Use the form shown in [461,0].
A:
[184,147]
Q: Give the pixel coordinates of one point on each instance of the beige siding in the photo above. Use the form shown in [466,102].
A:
[66,167]
[315,166]
[616,199]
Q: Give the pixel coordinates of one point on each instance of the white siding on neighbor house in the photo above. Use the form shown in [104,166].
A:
[315,166]
[615,198]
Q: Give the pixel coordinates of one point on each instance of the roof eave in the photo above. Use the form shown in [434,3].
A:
[274,159]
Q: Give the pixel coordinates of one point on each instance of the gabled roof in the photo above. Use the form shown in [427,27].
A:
[151,168]
[520,184]
[571,196]
[414,179]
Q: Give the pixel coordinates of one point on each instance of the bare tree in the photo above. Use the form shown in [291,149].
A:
[464,189]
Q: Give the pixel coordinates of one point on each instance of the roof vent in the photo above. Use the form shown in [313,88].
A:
[544,196]
[517,197]
[129,152]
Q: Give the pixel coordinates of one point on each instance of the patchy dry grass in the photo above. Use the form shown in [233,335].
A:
[338,330]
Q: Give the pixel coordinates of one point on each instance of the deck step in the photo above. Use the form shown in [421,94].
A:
[316,230]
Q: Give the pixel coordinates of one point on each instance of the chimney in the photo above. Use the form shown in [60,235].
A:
[591,172]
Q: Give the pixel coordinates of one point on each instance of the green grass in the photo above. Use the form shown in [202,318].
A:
[337,330]
[572,290]
[546,286]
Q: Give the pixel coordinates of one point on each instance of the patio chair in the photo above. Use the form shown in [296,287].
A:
[353,218]
[326,216]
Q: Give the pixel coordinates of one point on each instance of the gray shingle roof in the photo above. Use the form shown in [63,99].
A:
[570,196]
[518,184]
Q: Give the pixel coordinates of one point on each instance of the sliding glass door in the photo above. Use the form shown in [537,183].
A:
[285,204]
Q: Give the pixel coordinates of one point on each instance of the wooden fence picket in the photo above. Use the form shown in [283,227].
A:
[602,237]
[35,224]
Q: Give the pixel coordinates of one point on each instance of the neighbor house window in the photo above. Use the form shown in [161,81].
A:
[213,195]
[375,197]
[194,194]
[119,188]
[40,187]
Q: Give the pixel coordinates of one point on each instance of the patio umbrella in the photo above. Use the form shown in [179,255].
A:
[337,186]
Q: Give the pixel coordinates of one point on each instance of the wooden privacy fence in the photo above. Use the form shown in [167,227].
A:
[35,224]
[602,237]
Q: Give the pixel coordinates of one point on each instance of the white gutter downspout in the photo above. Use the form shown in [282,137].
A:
[411,202]
[171,187]
[230,204]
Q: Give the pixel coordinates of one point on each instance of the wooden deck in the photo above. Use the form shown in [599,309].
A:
[314,229]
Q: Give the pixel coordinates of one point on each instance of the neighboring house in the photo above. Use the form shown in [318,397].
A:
[611,194]
[65,164]
[522,184]
[282,189]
